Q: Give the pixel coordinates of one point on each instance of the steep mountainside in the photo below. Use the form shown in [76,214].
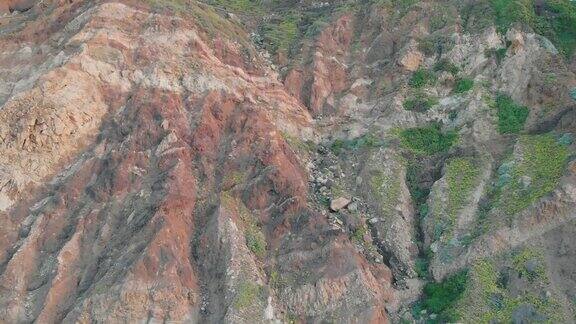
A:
[238,161]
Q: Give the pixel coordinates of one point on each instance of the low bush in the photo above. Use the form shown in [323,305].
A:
[422,78]
[440,298]
[427,140]
[419,103]
[280,35]
[445,65]
[463,85]
[511,116]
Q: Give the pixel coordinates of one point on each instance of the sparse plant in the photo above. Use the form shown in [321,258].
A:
[368,140]
[447,66]
[463,85]
[247,294]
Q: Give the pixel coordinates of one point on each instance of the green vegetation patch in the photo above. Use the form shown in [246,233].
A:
[298,144]
[177,6]
[463,85]
[421,267]
[447,66]
[245,6]
[422,78]
[419,102]
[358,234]
[279,35]
[487,299]
[539,164]
[462,177]
[510,11]
[427,140]
[386,188]
[511,116]
[435,44]
[255,238]
[248,294]
[441,17]
[440,298]
[555,19]
[529,263]
[368,140]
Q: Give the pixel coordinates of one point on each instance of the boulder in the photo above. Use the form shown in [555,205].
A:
[339,203]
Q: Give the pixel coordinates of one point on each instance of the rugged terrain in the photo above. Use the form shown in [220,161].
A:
[235,161]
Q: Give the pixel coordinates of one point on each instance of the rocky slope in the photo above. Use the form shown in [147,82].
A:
[287,161]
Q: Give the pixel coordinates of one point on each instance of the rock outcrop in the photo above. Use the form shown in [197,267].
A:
[157,165]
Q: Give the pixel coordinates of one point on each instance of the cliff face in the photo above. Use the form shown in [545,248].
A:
[157,164]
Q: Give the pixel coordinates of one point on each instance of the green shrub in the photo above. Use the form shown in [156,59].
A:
[427,140]
[281,34]
[463,85]
[255,240]
[440,298]
[419,102]
[358,235]
[440,19]
[511,116]
[421,78]
[445,65]
[421,267]
[436,44]
[573,93]
[316,27]
[500,54]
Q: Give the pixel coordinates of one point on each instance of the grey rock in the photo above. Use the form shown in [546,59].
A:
[353,206]
[531,265]
[339,203]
